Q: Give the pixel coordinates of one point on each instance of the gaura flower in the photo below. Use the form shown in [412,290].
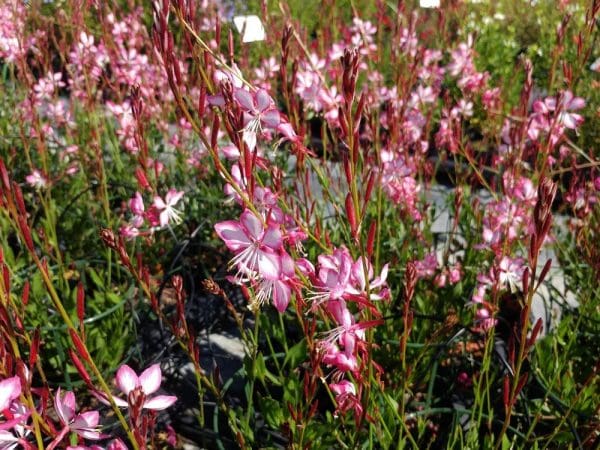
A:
[259,110]
[83,424]
[167,212]
[147,384]
[255,247]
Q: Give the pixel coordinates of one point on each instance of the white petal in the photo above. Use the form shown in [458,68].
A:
[269,265]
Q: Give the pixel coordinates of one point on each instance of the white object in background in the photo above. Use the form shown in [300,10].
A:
[429,3]
[250,27]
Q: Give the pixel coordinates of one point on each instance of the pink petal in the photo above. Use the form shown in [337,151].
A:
[159,203]
[252,225]
[150,379]
[88,419]
[571,121]
[173,196]
[231,152]
[232,233]
[287,130]
[244,98]
[273,238]
[101,396]
[271,119]
[65,407]
[160,402]
[577,103]
[287,264]
[117,444]
[9,390]
[216,100]
[263,100]
[92,435]
[119,402]
[127,380]
[85,425]
[281,296]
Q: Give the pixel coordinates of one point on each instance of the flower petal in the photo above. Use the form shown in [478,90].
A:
[9,390]
[65,406]
[273,238]
[160,402]
[127,380]
[88,419]
[233,234]
[263,100]
[101,396]
[7,438]
[252,225]
[249,138]
[244,98]
[271,119]
[150,379]
[173,196]
[269,265]
[281,296]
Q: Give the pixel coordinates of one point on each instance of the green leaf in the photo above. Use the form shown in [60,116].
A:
[505,442]
[272,412]
[260,369]
[296,354]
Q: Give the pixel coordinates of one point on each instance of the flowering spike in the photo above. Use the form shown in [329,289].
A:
[35,347]
[4,175]
[351,214]
[535,332]
[371,238]
[80,367]
[79,345]
[80,302]
[544,272]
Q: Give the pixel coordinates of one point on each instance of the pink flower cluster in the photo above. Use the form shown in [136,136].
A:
[15,432]
[162,213]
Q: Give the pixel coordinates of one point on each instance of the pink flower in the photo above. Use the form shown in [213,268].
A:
[278,289]
[18,424]
[378,287]
[10,389]
[511,272]
[565,103]
[146,384]
[83,424]
[255,247]
[36,179]
[333,356]
[166,207]
[259,110]
[136,206]
[346,398]
[333,279]
[427,266]
[570,103]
